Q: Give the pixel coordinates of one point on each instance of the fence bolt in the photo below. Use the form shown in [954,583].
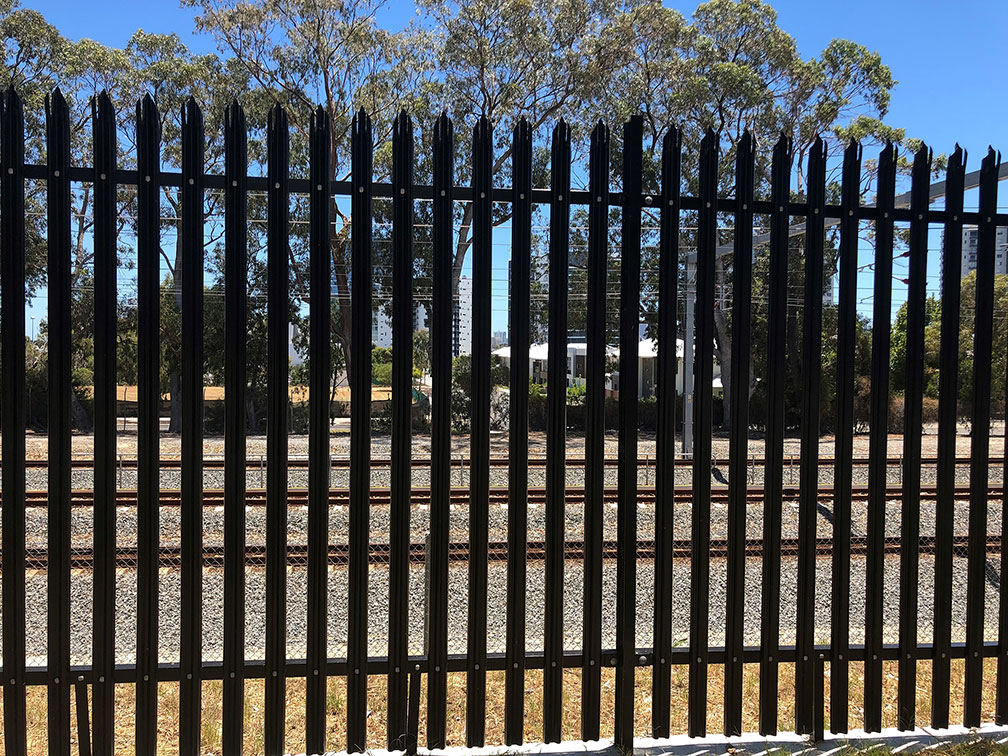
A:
[643,659]
[663,660]
[417,667]
[476,666]
[613,661]
[101,678]
[80,678]
[397,670]
[315,672]
[56,680]
[188,676]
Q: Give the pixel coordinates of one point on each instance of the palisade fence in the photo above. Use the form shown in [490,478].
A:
[806,545]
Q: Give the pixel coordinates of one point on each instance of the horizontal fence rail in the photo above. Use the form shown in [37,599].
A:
[771,542]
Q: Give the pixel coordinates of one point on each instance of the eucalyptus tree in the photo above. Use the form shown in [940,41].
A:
[300,53]
[731,68]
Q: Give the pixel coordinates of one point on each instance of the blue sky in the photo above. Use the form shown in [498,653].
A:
[945,57]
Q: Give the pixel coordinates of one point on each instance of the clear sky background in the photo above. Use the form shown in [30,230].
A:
[947,58]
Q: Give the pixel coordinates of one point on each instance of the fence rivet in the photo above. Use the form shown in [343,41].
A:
[315,672]
[988,219]
[188,676]
[515,665]
[560,198]
[943,654]
[805,657]
[234,183]
[402,191]
[101,678]
[476,666]
[734,659]
[874,657]
[920,216]
[442,192]
[231,675]
[553,664]
[708,204]
[822,656]
[11,171]
[663,660]
[482,194]
[908,656]
[885,214]
[397,670]
[591,662]
[356,670]
[598,199]
[191,181]
[955,217]
[102,177]
[643,659]
[850,212]
[319,187]
[56,174]
[56,680]
[147,677]
[437,667]
[770,658]
[80,678]
[147,179]
[816,211]
[417,667]
[12,679]
[360,190]
[521,195]
[745,206]
[840,656]
[613,661]
[276,185]
[975,654]
[274,673]
[648,200]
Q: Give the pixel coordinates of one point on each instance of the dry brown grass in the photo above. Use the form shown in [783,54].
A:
[254,720]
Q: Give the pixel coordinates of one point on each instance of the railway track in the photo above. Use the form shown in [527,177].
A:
[381,497]
[342,463]
[458,551]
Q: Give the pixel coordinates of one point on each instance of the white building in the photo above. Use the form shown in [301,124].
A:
[381,326]
[462,318]
[576,365]
[970,236]
[381,329]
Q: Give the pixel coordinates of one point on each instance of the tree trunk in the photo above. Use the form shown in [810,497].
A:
[723,344]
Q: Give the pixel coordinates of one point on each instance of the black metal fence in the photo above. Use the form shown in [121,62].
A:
[633,665]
